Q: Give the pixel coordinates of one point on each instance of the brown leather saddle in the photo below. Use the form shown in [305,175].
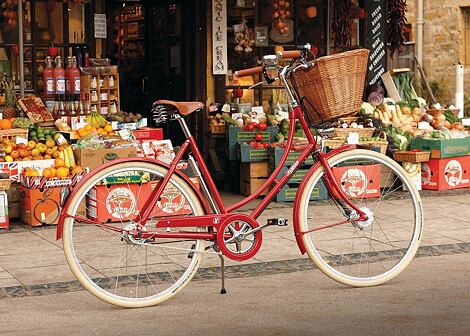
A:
[184,108]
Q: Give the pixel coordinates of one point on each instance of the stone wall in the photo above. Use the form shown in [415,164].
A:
[443,42]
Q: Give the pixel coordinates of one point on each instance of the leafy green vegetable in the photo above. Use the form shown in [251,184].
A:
[451,117]
[279,137]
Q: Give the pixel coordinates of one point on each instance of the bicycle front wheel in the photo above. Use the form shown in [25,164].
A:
[117,267]
[361,253]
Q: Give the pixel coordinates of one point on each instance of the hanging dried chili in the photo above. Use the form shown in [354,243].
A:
[396,20]
[341,23]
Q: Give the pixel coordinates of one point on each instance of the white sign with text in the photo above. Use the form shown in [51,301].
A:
[219,37]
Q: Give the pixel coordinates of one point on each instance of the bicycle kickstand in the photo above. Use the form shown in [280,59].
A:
[222,271]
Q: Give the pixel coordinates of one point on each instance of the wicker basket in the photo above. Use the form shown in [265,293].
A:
[433,112]
[5,184]
[217,129]
[344,132]
[334,86]
[11,134]
[413,157]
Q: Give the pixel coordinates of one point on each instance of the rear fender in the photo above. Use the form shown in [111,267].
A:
[296,219]
[64,215]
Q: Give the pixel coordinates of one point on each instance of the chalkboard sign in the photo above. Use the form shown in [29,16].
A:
[376,39]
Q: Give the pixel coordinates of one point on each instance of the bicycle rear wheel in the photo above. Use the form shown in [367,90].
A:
[363,253]
[117,267]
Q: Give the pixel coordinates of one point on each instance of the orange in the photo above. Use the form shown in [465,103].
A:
[108,128]
[47,173]
[82,132]
[5,124]
[77,170]
[88,128]
[111,133]
[99,130]
[62,172]
[58,162]
[53,171]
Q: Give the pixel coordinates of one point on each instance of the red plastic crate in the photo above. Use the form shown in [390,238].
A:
[359,181]
[445,174]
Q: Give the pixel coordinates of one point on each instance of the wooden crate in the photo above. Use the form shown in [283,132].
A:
[252,176]
[249,187]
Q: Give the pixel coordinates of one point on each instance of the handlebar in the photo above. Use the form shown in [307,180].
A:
[288,54]
[249,72]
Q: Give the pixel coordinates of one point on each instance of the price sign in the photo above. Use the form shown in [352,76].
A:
[100,26]
[376,39]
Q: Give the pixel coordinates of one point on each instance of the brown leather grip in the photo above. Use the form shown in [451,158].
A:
[249,72]
[288,54]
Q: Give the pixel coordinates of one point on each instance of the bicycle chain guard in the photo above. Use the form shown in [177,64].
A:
[235,240]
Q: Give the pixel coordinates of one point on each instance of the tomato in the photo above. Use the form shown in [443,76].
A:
[238,92]
[416,150]
[250,127]
[261,126]
[258,137]
[266,145]
[259,145]
[252,143]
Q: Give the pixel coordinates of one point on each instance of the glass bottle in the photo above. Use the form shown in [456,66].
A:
[59,76]
[73,115]
[48,77]
[81,113]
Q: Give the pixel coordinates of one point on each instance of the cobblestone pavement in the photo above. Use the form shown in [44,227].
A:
[32,261]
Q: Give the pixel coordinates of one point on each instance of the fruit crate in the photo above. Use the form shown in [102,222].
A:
[275,155]
[5,184]
[288,193]
[414,157]
[250,154]
[11,134]
[237,135]
[252,176]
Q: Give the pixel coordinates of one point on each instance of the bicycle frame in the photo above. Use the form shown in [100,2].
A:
[219,210]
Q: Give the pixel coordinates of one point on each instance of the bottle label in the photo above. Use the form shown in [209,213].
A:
[77,84]
[60,89]
[49,85]
[74,121]
[60,139]
[65,119]
[67,85]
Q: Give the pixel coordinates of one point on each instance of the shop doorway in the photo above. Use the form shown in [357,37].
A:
[157,46]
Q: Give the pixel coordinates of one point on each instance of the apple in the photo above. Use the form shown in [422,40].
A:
[55,154]
[15,154]
[31,144]
[22,146]
[8,149]
[42,148]
[60,148]
[47,156]
[8,158]
[49,151]
[50,143]
[35,152]
[24,153]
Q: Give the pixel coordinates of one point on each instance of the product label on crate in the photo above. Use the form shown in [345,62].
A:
[453,173]
[354,182]
[425,173]
[120,203]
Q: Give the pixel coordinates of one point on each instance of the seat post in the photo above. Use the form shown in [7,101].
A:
[183,125]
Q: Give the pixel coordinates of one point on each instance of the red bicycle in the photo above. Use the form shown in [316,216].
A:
[135,230]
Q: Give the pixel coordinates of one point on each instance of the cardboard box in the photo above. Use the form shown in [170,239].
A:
[42,207]
[4,219]
[413,170]
[442,148]
[120,202]
[92,158]
[359,181]
[148,133]
[444,174]
[14,168]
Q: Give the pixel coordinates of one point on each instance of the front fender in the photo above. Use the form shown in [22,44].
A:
[296,219]
[64,215]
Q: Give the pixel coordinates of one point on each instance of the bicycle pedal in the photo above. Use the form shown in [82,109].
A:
[277,221]
[191,253]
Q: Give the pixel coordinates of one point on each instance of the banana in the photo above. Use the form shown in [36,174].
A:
[71,156]
[61,155]
[66,158]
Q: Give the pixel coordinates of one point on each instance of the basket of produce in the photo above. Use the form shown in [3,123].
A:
[11,134]
[414,156]
[379,142]
[363,127]
[334,86]
[217,128]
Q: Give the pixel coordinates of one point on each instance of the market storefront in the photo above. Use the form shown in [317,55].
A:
[92,70]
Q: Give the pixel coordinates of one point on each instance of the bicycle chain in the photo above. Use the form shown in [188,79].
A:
[180,248]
